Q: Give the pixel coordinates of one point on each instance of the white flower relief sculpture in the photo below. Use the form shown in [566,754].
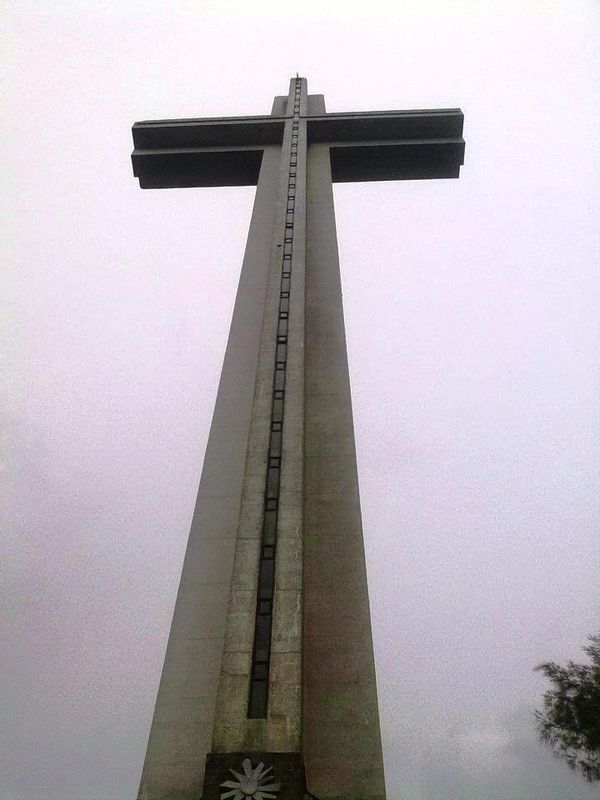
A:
[254,783]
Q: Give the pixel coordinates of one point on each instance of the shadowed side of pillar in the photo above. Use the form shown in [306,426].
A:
[341,738]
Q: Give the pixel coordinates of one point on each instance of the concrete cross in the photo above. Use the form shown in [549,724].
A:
[270,655]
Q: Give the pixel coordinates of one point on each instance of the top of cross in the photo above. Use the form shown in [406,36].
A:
[364,146]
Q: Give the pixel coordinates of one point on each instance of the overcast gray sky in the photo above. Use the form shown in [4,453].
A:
[471,311]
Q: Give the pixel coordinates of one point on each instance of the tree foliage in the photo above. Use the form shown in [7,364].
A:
[570,721]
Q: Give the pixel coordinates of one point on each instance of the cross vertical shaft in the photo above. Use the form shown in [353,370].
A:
[270,655]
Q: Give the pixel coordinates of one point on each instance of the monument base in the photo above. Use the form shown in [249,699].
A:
[253,774]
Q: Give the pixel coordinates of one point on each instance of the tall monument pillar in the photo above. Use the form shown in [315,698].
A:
[268,687]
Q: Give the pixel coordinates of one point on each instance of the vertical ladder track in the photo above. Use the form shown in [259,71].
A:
[261,653]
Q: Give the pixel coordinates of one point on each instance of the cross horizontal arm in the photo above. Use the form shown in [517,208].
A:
[364,146]
[225,151]
[379,125]
[396,161]
[221,131]
[391,145]
[179,167]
